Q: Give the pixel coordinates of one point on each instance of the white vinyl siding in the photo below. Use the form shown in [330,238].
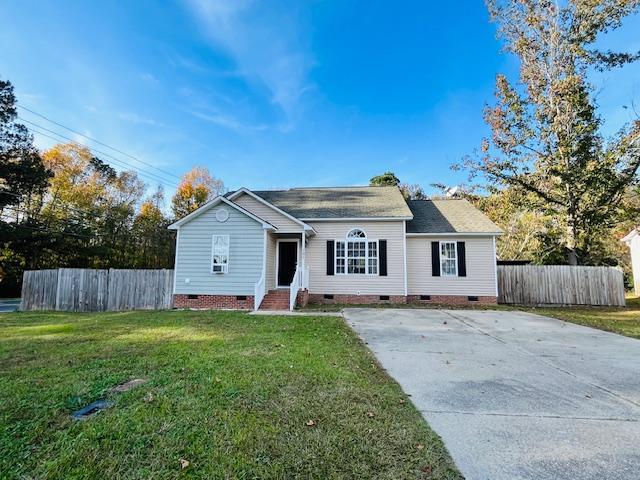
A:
[480,266]
[268,214]
[635,262]
[271,261]
[194,254]
[316,254]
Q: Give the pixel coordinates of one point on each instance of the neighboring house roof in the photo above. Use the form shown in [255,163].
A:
[213,203]
[448,216]
[332,203]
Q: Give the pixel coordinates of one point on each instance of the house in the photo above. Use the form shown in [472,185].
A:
[275,249]
[632,239]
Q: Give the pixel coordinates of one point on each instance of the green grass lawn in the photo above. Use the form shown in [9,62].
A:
[230,393]
[625,321]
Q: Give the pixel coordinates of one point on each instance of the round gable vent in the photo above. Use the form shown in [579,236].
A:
[222,215]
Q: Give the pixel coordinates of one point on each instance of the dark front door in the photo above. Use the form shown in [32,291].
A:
[287,260]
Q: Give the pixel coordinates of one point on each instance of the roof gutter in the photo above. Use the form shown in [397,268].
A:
[456,234]
[358,219]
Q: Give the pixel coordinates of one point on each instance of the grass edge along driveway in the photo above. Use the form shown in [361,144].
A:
[623,321]
[229,395]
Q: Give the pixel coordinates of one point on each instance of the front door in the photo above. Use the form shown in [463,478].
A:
[287,261]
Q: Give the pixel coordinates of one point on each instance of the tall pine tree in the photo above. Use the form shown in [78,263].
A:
[546,137]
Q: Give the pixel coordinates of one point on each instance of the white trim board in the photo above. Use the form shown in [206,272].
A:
[213,203]
[456,234]
[358,219]
[270,205]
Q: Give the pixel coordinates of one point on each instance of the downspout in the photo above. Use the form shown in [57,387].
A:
[404,222]
[175,260]
[264,256]
[495,266]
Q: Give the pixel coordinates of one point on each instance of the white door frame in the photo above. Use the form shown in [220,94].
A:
[278,241]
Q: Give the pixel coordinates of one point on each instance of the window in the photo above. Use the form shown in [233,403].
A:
[340,257]
[448,259]
[373,258]
[356,233]
[220,254]
[356,255]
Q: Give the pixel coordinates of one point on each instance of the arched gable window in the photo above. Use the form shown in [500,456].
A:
[356,233]
[356,255]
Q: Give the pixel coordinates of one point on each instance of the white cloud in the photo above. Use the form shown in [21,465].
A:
[227,121]
[150,78]
[266,44]
[137,119]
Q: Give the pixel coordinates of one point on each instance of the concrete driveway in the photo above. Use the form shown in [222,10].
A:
[515,395]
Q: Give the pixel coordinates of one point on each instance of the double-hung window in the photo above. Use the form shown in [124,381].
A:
[220,254]
[448,259]
[356,255]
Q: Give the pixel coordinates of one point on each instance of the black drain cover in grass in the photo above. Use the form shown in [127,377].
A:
[90,409]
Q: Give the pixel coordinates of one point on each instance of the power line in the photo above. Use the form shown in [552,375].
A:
[71,209]
[97,141]
[45,230]
[81,213]
[122,163]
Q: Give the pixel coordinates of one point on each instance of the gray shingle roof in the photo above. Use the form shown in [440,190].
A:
[448,216]
[339,202]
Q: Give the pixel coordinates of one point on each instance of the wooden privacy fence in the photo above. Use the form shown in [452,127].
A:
[560,285]
[91,290]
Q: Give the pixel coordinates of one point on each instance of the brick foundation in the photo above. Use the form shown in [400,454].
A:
[302,300]
[395,299]
[452,300]
[213,302]
[355,299]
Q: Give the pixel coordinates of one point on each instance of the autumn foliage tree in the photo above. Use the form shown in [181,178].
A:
[546,138]
[196,188]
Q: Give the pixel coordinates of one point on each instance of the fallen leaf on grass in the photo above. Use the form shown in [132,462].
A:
[311,423]
[401,401]
[184,463]
[426,469]
[371,414]
[420,447]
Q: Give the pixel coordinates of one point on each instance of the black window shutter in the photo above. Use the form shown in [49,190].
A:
[382,257]
[435,259]
[462,260]
[330,254]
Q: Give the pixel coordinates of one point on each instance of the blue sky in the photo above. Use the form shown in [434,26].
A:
[273,94]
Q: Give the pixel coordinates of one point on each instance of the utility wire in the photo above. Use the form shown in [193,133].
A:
[97,141]
[61,209]
[52,232]
[122,163]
